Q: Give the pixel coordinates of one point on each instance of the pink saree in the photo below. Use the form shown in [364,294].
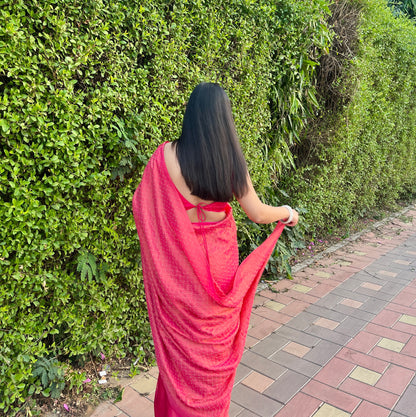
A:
[199,320]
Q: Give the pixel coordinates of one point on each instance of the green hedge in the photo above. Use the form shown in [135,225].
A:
[88,91]
[364,156]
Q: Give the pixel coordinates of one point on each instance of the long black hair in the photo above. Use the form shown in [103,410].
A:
[208,150]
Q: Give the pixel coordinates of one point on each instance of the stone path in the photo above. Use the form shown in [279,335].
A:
[338,340]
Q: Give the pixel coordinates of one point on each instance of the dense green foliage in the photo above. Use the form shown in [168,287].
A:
[363,156]
[88,90]
[406,7]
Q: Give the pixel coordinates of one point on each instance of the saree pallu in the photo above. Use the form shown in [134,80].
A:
[199,321]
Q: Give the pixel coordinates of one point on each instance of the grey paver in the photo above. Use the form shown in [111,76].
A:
[242,372]
[329,300]
[350,294]
[322,352]
[300,365]
[297,336]
[325,312]
[350,284]
[286,386]
[392,288]
[246,413]
[235,410]
[255,402]
[375,294]
[407,404]
[262,365]
[302,321]
[373,305]
[327,334]
[351,326]
[354,312]
[270,345]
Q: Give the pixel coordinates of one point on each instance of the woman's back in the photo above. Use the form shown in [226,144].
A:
[175,174]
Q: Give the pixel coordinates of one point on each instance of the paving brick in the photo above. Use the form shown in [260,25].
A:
[373,305]
[321,290]
[394,357]
[390,344]
[331,396]
[366,409]
[393,287]
[326,323]
[246,413]
[365,375]
[134,405]
[326,334]
[401,309]
[354,312]
[241,373]
[369,393]
[107,410]
[351,284]
[327,410]
[262,365]
[351,326]
[363,342]
[274,305]
[387,318]
[300,296]
[294,308]
[351,294]
[410,347]
[351,303]
[286,386]
[254,401]
[300,288]
[395,379]
[250,342]
[387,273]
[263,329]
[273,315]
[408,319]
[329,301]
[297,336]
[371,286]
[234,410]
[326,313]
[334,372]
[296,349]
[405,299]
[301,405]
[302,321]
[295,363]
[407,404]
[269,345]
[386,332]
[366,361]
[376,294]
[257,381]
[322,352]
[145,384]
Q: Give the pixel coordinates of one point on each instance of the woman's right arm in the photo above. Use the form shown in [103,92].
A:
[259,212]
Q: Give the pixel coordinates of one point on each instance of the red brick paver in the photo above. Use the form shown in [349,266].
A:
[339,338]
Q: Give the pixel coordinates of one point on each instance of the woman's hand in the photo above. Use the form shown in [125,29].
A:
[295,218]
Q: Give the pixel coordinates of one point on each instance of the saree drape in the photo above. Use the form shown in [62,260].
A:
[199,329]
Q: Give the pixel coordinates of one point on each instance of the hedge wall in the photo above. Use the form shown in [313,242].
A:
[363,156]
[88,90]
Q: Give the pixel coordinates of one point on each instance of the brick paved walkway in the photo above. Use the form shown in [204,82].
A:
[338,340]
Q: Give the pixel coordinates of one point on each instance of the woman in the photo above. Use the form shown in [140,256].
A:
[199,297]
